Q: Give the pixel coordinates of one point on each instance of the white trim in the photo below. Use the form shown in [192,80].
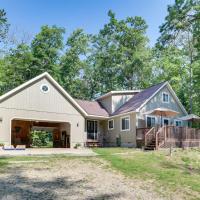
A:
[178,120]
[113,124]
[172,92]
[138,109]
[127,116]
[152,116]
[94,132]
[49,77]
[177,99]
[165,93]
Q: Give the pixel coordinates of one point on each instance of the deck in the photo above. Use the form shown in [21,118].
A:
[168,136]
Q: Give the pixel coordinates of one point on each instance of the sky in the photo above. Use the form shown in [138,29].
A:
[29,15]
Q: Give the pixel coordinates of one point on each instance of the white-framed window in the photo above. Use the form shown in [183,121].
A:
[177,122]
[150,121]
[111,124]
[44,88]
[165,97]
[165,121]
[125,123]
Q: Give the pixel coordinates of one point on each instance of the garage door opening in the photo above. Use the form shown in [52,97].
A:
[40,134]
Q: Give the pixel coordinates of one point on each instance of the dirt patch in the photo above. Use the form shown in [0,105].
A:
[83,179]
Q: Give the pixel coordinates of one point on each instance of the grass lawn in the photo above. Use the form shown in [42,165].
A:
[177,173]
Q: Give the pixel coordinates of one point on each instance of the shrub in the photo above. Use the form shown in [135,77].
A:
[41,138]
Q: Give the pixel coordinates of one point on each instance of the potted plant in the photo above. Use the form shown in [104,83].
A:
[77,146]
[1,144]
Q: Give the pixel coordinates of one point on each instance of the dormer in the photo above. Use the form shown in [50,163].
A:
[111,101]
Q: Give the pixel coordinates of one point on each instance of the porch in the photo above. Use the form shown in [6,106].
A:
[167,136]
[95,130]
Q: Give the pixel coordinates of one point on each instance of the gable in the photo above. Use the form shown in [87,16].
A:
[157,102]
[32,98]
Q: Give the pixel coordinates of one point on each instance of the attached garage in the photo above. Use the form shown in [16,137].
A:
[41,103]
[22,132]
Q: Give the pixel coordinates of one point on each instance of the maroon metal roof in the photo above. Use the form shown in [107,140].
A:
[92,108]
[137,100]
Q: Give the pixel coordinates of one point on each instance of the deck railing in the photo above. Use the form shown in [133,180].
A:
[177,136]
[170,135]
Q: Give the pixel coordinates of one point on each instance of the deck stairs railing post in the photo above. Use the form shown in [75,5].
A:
[150,139]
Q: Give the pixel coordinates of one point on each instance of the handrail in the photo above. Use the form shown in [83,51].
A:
[147,135]
[160,139]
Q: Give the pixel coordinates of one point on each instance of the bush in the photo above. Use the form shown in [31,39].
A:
[41,138]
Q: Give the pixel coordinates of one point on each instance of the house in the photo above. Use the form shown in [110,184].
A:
[112,119]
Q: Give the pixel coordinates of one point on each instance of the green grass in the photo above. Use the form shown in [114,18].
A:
[180,171]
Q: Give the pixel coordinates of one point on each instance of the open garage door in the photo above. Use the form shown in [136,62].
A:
[40,133]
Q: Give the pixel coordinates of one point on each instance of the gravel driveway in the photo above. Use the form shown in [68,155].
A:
[68,178]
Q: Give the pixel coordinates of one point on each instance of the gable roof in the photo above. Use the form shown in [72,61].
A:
[53,82]
[139,99]
[93,108]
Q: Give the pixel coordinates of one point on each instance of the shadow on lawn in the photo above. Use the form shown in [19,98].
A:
[17,186]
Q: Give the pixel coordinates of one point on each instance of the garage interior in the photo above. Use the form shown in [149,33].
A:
[21,132]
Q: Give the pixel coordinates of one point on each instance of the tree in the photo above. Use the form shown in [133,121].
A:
[73,63]
[46,48]
[181,30]
[121,54]
[3,25]
[15,68]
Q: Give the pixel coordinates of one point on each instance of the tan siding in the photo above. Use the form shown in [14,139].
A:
[33,104]
[128,138]
[32,98]
[119,100]
[112,103]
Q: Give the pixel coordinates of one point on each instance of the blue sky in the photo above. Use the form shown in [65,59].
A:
[91,15]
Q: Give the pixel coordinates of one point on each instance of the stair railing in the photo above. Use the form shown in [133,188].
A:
[160,137]
[149,136]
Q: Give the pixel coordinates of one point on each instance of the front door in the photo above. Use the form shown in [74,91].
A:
[92,129]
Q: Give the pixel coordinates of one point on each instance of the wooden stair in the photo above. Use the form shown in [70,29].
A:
[151,146]
[93,143]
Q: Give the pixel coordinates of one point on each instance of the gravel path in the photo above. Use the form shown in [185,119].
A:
[70,179]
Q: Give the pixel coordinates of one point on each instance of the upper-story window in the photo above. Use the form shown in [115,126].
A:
[165,97]
[125,123]
[110,124]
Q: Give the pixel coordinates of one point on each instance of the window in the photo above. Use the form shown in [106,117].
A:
[110,124]
[151,121]
[178,123]
[165,97]
[44,88]
[165,121]
[125,123]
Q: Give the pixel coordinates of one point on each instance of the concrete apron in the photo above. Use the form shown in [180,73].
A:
[48,151]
